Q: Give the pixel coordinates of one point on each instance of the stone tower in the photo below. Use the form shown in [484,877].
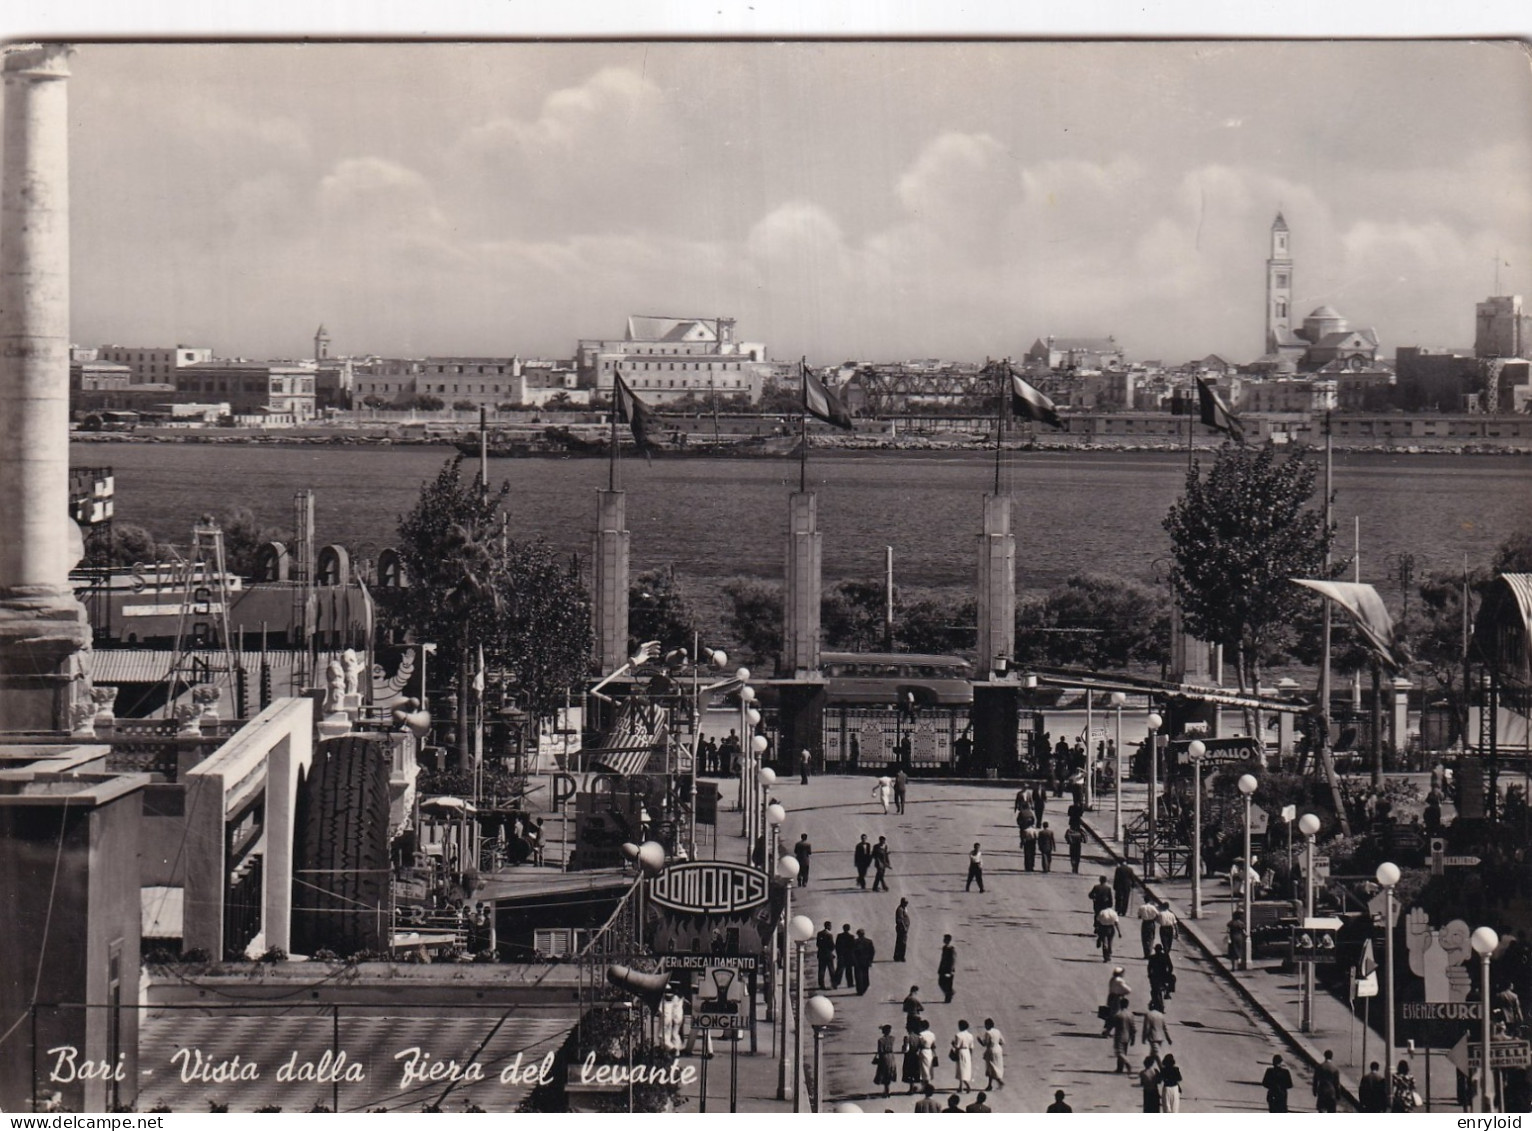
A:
[1279,286]
[321,343]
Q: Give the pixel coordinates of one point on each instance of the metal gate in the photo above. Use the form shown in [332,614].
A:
[869,738]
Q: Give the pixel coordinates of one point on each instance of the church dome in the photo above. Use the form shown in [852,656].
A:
[1327,311]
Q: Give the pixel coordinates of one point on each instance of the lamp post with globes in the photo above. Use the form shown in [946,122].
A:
[800,929]
[765,778]
[746,729]
[819,1011]
[786,874]
[1247,786]
[775,815]
[1484,942]
[1118,699]
[1387,876]
[1154,722]
[788,877]
[1195,750]
[1308,825]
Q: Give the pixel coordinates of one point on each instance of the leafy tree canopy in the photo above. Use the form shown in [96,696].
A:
[1096,621]
[659,609]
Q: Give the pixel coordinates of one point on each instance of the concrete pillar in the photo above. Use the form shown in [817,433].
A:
[611,578]
[44,634]
[997,587]
[800,600]
[1190,658]
[1399,722]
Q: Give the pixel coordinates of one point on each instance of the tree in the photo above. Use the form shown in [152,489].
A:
[754,618]
[131,544]
[851,616]
[1238,537]
[243,537]
[470,589]
[658,609]
[1096,621]
[936,624]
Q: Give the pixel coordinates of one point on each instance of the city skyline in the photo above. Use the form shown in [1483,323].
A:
[869,200]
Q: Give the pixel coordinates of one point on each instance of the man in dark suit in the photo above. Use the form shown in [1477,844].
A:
[845,956]
[862,953]
[824,949]
[861,858]
[946,969]
[1372,1090]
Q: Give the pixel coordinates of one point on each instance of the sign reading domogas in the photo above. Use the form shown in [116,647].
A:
[710,887]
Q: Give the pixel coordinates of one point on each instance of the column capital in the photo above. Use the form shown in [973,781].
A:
[37,60]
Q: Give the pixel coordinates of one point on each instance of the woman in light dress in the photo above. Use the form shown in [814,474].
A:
[994,1054]
[963,1045]
[883,792]
[927,1056]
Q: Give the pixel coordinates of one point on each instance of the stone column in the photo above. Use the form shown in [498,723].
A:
[1190,659]
[800,599]
[997,587]
[44,633]
[1399,723]
[611,579]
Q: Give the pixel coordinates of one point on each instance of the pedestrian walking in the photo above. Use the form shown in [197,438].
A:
[1149,1083]
[1402,1095]
[1237,939]
[1074,837]
[824,950]
[1026,820]
[805,761]
[909,1068]
[975,870]
[861,860]
[961,1055]
[803,850]
[1029,848]
[1046,846]
[993,1043]
[887,1060]
[1148,924]
[880,864]
[946,968]
[912,1010]
[883,793]
[1058,1106]
[1122,886]
[928,1101]
[1326,1083]
[1039,801]
[1170,1084]
[1107,930]
[1372,1090]
[979,1105]
[863,952]
[901,929]
[901,785]
[927,1056]
[1162,975]
[1278,1081]
[1100,896]
[845,957]
[1124,1033]
[1156,1030]
[1117,993]
[1169,925]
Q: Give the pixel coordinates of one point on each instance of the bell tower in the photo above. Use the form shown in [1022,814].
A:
[321,344]
[1279,286]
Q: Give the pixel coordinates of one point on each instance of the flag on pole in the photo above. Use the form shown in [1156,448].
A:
[1368,963]
[632,412]
[478,678]
[822,404]
[1029,404]
[1367,612]
[1215,414]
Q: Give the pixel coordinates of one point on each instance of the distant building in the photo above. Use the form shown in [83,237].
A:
[95,376]
[1288,394]
[155,364]
[666,359]
[1501,329]
[1324,337]
[279,390]
[1078,353]
[1434,380]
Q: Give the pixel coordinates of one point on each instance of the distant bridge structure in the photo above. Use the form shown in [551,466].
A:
[904,387]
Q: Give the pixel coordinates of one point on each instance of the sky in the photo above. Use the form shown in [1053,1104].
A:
[873,200]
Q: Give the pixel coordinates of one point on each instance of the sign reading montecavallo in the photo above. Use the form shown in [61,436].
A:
[710,887]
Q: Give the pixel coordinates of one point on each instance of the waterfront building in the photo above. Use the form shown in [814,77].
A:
[1434,380]
[1325,335]
[92,376]
[1501,329]
[665,359]
[1288,394]
[155,364]
[1077,353]
[259,391]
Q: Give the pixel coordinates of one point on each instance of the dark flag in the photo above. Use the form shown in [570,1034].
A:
[1216,414]
[1028,404]
[822,404]
[632,412]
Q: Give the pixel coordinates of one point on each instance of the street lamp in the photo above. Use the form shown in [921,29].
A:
[1247,786]
[1387,876]
[650,858]
[1484,942]
[765,778]
[1308,825]
[800,929]
[1118,699]
[746,729]
[820,1011]
[1195,751]
[775,815]
[1154,722]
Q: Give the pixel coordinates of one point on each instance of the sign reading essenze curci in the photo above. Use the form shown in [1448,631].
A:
[710,887]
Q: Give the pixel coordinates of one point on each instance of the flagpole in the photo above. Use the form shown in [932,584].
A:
[803,427]
[611,463]
[999,417]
